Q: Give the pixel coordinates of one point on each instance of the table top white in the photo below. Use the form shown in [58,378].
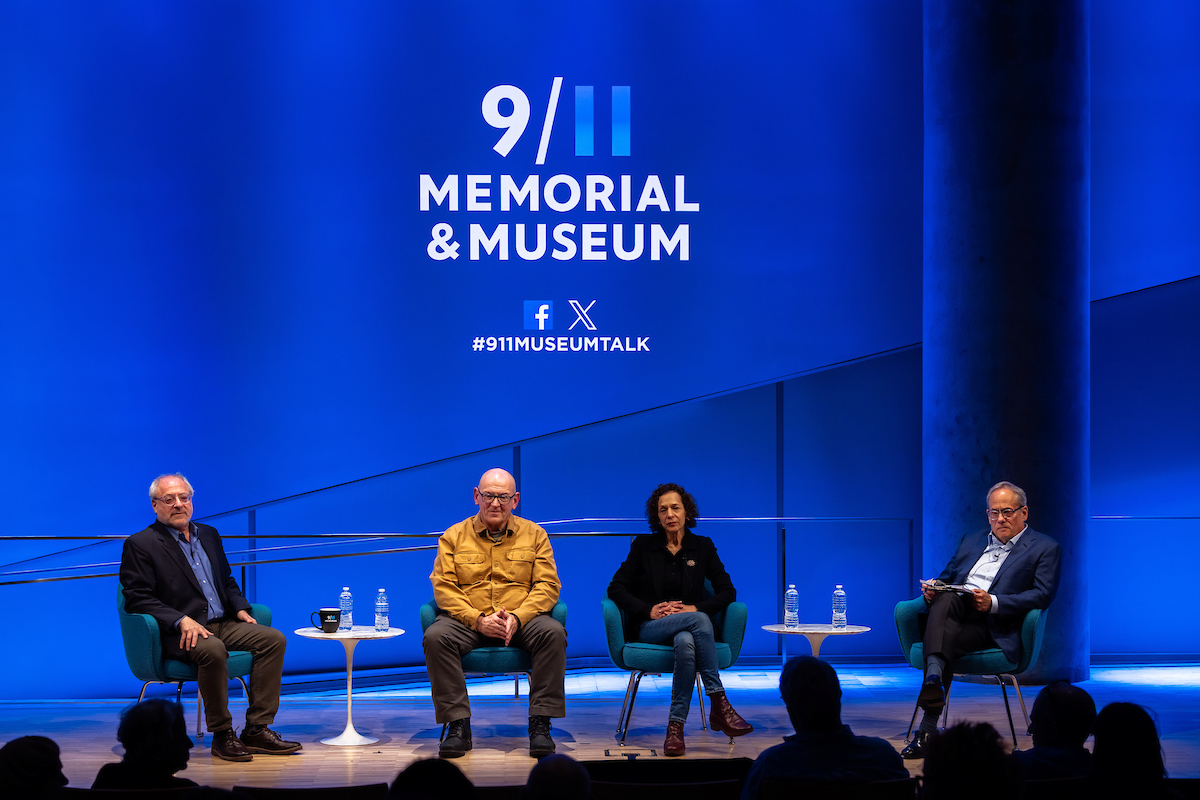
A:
[357,632]
[817,627]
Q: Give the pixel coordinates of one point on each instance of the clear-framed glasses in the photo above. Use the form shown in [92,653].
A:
[502,499]
[174,499]
[1005,513]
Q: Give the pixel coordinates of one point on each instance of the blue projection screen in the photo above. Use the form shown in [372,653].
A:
[285,245]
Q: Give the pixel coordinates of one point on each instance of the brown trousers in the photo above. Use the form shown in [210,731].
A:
[447,639]
[209,655]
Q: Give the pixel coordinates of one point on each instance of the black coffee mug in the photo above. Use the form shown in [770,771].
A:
[330,619]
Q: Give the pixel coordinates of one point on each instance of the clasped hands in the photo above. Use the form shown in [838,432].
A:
[500,625]
[191,631]
[668,607]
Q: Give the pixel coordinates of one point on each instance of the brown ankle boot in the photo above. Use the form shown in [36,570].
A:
[724,719]
[674,746]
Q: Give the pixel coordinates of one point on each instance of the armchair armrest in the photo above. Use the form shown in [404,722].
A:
[906,623]
[734,629]
[614,630]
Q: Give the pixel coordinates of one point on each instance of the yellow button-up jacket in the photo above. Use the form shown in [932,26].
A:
[473,576]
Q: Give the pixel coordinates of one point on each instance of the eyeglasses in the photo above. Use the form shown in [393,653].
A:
[489,498]
[1006,513]
[175,499]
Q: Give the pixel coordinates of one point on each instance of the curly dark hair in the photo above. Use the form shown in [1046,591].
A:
[689,505]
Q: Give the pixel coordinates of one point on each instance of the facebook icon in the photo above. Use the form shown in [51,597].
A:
[539,315]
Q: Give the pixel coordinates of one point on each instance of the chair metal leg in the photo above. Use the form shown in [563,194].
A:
[1017,686]
[700,699]
[245,690]
[913,721]
[635,681]
[199,711]
[1007,710]
[625,705]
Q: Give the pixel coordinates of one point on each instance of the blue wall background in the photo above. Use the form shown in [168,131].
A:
[214,261]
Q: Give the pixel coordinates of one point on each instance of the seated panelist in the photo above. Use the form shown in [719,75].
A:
[660,587]
[1006,572]
[176,571]
[495,582]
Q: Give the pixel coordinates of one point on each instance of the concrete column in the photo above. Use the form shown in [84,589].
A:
[1006,259]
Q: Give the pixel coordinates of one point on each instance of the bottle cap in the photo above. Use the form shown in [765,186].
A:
[791,586]
[381,590]
[345,588]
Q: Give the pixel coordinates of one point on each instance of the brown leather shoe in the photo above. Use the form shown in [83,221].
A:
[265,740]
[674,746]
[227,746]
[724,719]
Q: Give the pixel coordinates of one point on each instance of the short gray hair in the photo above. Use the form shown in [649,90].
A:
[154,484]
[1012,487]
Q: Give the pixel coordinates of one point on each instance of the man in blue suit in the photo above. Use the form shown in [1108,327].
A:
[1006,572]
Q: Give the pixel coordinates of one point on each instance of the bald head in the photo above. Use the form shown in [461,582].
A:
[497,496]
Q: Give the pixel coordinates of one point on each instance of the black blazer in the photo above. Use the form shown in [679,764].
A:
[638,584]
[157,580]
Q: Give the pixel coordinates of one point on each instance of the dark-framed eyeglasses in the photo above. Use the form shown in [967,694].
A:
[174,499]
[502,499]
[1005,513]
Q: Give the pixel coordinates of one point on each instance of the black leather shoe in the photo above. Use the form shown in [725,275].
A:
[457,740]
[932,696]
[264,740]
[540,743]
[226,745]
[916,748]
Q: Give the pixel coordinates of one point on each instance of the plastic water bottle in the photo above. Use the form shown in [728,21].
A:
[791,607]
[839,607]
[381,611]
[346,601]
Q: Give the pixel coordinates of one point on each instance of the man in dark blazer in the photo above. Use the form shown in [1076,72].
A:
[1007,571]
[177,572]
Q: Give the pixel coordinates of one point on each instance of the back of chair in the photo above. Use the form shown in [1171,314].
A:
[783,789]
[705,790]
[730,624]
[371,791]
[142,638]
[143,642]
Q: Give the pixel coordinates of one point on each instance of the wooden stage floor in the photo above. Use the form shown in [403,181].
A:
[877,701]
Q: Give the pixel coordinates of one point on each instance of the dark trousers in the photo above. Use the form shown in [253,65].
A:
[954,628]
[447,640]
[210,655]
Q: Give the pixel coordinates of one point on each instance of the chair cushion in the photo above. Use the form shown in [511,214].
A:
[497,659]
[981,662]
[238,663]
[661,657]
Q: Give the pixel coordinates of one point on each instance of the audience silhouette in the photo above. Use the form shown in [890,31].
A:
[970,760]
[1127,754]
[156,747]
[1061,721]
[30,767]
[822,750]
[558,777]
[432,779]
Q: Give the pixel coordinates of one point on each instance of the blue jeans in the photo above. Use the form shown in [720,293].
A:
[695,651]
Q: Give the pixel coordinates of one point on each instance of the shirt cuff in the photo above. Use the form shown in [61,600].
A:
[995,609]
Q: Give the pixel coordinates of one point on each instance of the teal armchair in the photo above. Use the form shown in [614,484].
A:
[654,659]
[143,650]
[990,662]
[495,660]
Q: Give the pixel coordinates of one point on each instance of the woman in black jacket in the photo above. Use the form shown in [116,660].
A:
[660,587]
